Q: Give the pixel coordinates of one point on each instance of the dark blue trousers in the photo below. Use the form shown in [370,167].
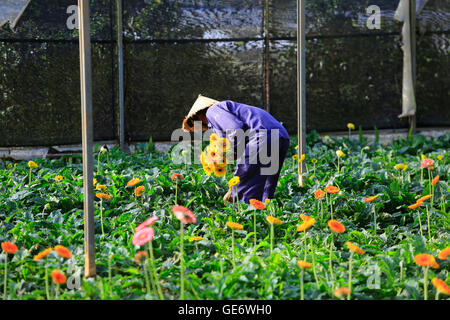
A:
[253,184]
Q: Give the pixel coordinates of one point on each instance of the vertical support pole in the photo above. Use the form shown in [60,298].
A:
[267,54]
[87,138]
[301,99]
[120,70]
[412,21]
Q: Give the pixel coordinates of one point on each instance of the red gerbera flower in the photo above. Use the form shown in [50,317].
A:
[177,176]
[146,223]
[58,277]
[184,214]
[426,163]
[9,247]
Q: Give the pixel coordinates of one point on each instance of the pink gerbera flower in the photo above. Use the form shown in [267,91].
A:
[426,163]
[146,223]
[143,236]
[184,214]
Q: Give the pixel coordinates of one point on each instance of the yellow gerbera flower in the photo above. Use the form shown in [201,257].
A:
[32,164]
[59,178]
[340,153]
[233,181]
[192,239]
[351,126]
[302,158]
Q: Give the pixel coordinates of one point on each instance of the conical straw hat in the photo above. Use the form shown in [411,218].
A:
[201,103]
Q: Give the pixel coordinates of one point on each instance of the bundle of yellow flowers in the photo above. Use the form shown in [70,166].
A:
[214,157]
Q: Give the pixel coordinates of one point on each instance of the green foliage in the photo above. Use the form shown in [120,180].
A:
[46,213]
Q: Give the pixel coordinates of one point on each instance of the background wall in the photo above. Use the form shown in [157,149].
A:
[175,50]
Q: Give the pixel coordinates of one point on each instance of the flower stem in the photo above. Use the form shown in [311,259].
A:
[425,283]
[182,261]
[155,274]
[176,191]
[350,276]
[147,280]
[29,177]
[271,238]
[254,226]
[428,221]
[232,248]
[330,264]
[420,223]
[313,262]
[302,294]
[46,280]
[5,276]
[57,292]
[375,219]
[331,205]
[101,216]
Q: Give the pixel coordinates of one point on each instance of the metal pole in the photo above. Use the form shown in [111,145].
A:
[412,22]
[301,100]
[123,148]
[267,54]
[87,138]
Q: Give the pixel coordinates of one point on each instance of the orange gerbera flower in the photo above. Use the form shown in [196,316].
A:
[102,195]
[304,217]
[435,265]
[140,256]
[340,292]
[63,252]
[415,205]
[425,260]
[331,189]
[336,226]
[370,199]
[274,220]
[444,254]
[435,180]
[441,286]
[355,248]
[304,264]
[422,199]
[306,224]
[139,191]
[42,255]
[177,176]
[9,247]
[257,204]
[319,194]
[235,225]
[133,182]
[58,277]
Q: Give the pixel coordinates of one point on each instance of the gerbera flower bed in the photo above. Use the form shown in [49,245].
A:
[388,206]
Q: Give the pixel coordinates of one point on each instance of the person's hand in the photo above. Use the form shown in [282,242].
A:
[228,197]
